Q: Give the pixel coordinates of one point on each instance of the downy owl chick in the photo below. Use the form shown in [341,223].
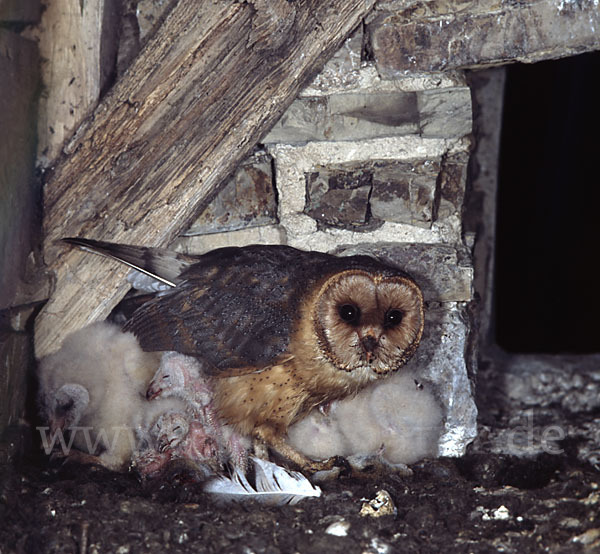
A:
[94,387]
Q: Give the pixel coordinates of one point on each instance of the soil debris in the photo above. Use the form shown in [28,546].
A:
[479,503]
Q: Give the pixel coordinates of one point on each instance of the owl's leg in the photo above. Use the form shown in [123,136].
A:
[275,440]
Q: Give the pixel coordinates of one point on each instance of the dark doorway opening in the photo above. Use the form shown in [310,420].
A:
[547,282]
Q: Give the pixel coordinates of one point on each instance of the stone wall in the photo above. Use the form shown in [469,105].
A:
[438,35]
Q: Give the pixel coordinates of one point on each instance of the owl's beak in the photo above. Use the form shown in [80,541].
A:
[369,343]
[153,391]
[57,425]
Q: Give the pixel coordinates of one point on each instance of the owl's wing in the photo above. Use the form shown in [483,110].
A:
[235,311]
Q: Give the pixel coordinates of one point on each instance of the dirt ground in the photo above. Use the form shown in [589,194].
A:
[480,503]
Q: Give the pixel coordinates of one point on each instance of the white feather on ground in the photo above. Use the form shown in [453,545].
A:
[396,417]
[275,486]
[113,369]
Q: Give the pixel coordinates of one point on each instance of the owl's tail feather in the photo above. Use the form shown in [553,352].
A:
[159,263]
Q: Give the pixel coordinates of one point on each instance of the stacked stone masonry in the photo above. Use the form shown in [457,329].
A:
[449,34]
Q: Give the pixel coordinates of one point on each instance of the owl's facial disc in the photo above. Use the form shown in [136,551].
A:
[369,322]
[70,402]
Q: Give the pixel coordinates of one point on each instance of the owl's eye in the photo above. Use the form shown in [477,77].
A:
[64,407]
[393,317]
[349,313]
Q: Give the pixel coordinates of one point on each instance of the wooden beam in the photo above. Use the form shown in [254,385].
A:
[73,69]
[209,84]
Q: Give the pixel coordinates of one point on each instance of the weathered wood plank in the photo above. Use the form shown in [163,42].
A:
[202,92]
[73,68]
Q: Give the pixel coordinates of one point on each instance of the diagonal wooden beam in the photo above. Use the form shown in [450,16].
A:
[204,90]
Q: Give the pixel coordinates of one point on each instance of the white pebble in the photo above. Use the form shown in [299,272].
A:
[338,529]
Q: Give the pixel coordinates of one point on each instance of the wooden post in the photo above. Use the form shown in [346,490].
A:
[213,79]
[70,39]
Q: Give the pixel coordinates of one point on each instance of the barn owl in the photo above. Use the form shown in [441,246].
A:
[279,330]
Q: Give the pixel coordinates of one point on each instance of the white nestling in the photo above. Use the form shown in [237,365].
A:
[94,388]
[398,420]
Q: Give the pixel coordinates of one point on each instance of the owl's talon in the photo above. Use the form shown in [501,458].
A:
[325,475]
[373,466]
[342,463]
[361,467]
[339,462]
